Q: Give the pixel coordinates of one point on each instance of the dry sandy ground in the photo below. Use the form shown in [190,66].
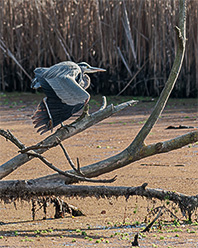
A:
[102,225]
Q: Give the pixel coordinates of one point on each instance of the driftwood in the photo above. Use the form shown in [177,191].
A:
[25,190]
[56,184]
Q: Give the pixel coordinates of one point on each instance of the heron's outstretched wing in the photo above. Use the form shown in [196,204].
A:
[67,89]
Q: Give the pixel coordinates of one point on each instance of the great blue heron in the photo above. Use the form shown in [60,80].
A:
[64,85]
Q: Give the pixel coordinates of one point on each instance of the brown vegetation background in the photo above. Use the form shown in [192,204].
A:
[125,37]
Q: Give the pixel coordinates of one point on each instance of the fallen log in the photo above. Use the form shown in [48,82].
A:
[25,190]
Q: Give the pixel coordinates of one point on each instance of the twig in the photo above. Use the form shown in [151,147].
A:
[78,165]
[124,61]
[40,146]
[135,241]
[6,50]
[67,174]
[104,103]
[77,170]
[8,135]
[147,228]
[127,28]
[171,213]
[70,161]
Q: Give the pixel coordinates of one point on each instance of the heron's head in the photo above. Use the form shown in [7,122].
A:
[86,68]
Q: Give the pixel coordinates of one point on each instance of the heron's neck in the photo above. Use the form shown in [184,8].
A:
[86,81]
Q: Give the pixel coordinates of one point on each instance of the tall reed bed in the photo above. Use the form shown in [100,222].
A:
[134,40]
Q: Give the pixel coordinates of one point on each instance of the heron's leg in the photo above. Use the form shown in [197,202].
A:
[49,114]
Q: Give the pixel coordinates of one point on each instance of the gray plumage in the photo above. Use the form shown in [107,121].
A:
[64,85]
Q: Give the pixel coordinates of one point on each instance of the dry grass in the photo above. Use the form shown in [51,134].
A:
[120,36]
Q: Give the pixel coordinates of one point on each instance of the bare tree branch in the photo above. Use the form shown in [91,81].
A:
[77,170]
[62,134]
[104,103]
[133,151]
[131,80]
[39,146]
[6,50]
[147,229]
[9,136]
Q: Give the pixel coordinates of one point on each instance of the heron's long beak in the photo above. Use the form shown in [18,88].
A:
[94,69]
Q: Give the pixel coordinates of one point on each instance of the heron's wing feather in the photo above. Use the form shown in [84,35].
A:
[65,68]
[67,89]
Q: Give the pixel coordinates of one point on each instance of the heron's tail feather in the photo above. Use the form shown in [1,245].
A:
[57,112]
[41,119]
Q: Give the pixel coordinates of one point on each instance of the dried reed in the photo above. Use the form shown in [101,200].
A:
[120,36]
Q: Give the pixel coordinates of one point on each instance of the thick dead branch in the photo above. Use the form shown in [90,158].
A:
[25,190]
